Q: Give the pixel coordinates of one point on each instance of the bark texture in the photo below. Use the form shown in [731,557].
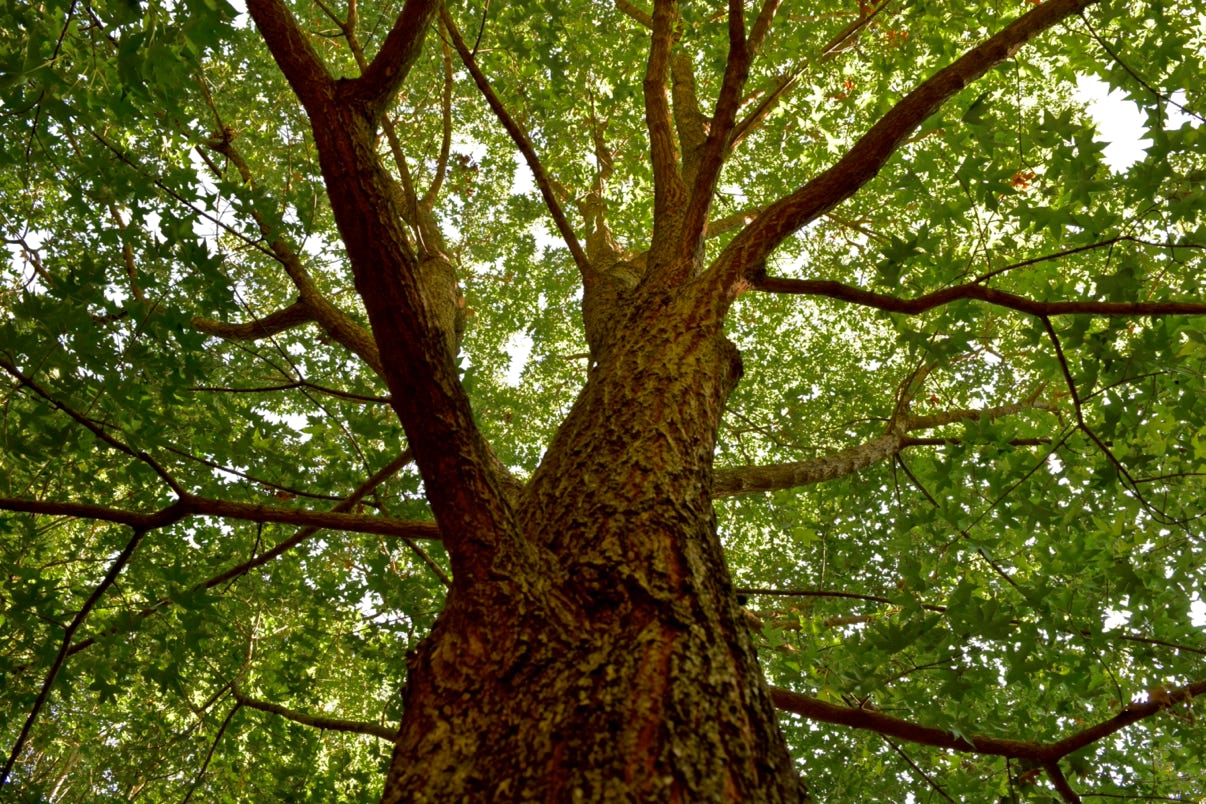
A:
[624,672]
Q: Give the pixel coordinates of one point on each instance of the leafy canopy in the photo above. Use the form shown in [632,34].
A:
[1021,559]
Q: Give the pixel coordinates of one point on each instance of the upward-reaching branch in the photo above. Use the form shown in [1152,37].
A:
[736,71]
[411,310]
[297,58]
[749,249]
[377,84]
[669,193]
[520,138]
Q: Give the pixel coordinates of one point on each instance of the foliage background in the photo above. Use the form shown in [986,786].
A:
[1021,575]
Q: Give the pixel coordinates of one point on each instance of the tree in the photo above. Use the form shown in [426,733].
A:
[461,366]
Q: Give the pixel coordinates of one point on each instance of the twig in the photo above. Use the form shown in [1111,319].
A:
[64,647]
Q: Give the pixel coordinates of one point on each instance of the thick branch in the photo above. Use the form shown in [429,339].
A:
[294,54]
[707,174]
[690,122]
[742,258]
[757,479]
[520,138]
[383,77]
[640,15]
[287,318]
[816,709]
[669,193]
[762,25]
[891,304]
[318,722]
[412,315]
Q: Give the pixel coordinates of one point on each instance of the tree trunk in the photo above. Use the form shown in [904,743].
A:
[619,668]
[590,648]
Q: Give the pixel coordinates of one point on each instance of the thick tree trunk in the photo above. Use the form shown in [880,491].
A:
[590,648]
[620,669]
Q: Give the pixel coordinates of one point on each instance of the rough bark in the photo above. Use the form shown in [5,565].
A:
[623,672]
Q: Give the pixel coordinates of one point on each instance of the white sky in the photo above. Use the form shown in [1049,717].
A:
[1119,121]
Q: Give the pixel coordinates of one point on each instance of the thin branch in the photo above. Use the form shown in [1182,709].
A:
[887,601]
[783,85]
[842,41]
[728,223]
[745,255]
[190,506]
[365,488]
[908,761]
[859,718]
[294,385]
[209,755]
[312,302]
[1138,79]
[316,721]
[1076,250]
[1083,426]
[520,138]
[94,428]
[975,292]
[48,683]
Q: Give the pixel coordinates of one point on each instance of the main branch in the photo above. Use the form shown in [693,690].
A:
[972,291]
[742,259]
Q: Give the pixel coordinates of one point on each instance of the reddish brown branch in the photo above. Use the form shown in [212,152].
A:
[291,48]
[749,250]
[1060,782]
[1046,753]
[762,25]
[249,512]
[1000,298]
[378,83]
[711,160]
[668,190]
